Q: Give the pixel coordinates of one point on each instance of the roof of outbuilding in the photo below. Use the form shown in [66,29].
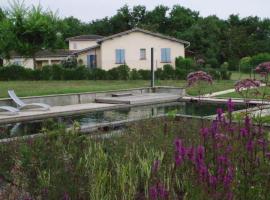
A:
[47,53]
[85,37]
[143,31]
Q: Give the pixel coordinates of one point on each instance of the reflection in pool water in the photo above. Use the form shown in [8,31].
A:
[185,108]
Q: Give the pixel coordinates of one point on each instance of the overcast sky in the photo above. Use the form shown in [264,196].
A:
[88,10]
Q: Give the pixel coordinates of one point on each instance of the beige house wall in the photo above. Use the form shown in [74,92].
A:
[79,45]
[28,62]
[82,57]
[132,43]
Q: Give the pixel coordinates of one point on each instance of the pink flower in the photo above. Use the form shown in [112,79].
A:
[246,84]
[263,68]
[195,77]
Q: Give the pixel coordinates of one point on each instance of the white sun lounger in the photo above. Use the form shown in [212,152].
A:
[21,105]
[7,110]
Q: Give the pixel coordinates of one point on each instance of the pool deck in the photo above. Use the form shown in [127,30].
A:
[139,99]
[55,111]
[110,103]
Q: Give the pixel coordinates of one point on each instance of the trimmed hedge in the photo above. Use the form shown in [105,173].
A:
[122,72]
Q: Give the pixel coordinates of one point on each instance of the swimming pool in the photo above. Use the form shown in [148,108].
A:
[95,118]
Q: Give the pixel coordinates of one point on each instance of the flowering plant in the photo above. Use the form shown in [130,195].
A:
[195,77]
[263,69]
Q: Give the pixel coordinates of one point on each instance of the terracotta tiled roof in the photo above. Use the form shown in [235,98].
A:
[47,53]
[85,37]
[146,32]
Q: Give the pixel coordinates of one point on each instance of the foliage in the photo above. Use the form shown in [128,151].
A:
[245,65]
[119,73]
[184,63]
[30,30]
[213,39]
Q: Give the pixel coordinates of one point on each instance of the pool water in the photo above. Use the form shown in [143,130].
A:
[95,118]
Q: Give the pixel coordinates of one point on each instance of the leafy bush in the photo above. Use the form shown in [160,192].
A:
[97,74]
[119,73]
[259,58]
[245,65]
[15,72]
[184,63]
[168,72]
[145,74]
[69,63]
[134,75]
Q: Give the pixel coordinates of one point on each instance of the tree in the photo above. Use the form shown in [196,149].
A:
[30,29]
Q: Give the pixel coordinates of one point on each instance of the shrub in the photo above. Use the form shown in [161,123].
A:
[15,72]
[184,63]
[145,74]
[119,73]
[134,75]
[181,74]
[259,58]
[245,64]
[97,74]
[168,72]
[70,63]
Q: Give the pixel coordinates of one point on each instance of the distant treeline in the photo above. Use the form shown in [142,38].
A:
[212,39]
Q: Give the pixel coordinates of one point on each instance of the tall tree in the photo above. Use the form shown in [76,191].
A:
[31,30]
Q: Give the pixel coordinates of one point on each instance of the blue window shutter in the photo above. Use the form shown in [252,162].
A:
[168,54]
[117,56]
[163,55]
[88,61]
[123,56]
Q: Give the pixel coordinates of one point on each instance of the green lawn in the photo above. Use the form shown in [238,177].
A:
[34,88]
[251,94]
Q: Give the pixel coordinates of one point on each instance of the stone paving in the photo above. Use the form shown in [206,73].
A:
[55,111]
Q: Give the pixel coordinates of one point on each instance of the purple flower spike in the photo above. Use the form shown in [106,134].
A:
[230,106]
[250,146]
[191,154]
[153,193]
[177,143]
[213,181]
[219,114]
[178,160]
[200,152]
[244,132]
[204,132]
[267,155]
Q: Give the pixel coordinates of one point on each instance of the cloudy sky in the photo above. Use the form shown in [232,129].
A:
[88,10]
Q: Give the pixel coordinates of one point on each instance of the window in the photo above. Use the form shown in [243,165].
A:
[166,55]
[142,54]
[17,62]
[74,45]
[120,56]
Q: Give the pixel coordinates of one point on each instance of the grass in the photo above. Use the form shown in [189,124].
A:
[36,88]
[252,94]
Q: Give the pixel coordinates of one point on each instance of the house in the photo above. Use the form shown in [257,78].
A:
[44,57]
[132,47]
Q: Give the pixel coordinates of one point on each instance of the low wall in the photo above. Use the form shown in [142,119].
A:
[88,97]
